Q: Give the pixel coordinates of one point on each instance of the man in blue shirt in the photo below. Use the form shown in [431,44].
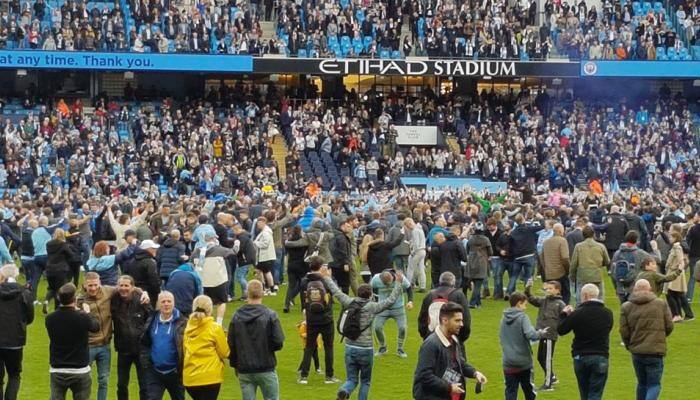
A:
[383,284]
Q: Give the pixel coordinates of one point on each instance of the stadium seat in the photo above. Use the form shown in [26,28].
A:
[358,48]
[396,55]
[384,54]
[367,42]
[646,7]
[302,53]
[659,7]
[345,41]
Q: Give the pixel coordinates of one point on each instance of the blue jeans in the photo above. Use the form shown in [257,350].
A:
[86,250]
[591,374]
[649,371]
[28,267]
[241,276]
[497,270]
[358,363]
[522,268]
[278,269]
[266,381]
[39,267]
[476,293]
[398,315]
[102,356]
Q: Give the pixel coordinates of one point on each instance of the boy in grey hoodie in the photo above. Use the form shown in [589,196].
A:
[515,335]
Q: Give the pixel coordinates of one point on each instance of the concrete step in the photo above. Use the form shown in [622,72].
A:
[279,153]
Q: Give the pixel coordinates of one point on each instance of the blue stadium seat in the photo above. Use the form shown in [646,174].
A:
[367,42]
[636,8]
[384,54]
[396,55]
[358,48]
[345,41]
[659,7]
[360,15]
[302,53]
[646,7]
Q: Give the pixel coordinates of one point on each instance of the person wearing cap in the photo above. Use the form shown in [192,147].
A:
[16,312]
[144,269]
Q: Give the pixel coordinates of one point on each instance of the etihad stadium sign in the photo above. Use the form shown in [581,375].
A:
[416,67]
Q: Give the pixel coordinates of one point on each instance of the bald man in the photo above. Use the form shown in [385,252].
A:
[645,322]
[555,261]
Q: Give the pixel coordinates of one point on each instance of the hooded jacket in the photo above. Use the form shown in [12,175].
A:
[144,271]
[550,308]
[403,249]
[168,256]
[184,283]
[645,322]
[254,335]
[615,232]
[246,249]
[161,343]
[16,312]
[630,252]
[379,254]
[58,255]
[315,242]
[264,242]
[515,335]
[478,252]
[205,349]
[523,240]
[212,267]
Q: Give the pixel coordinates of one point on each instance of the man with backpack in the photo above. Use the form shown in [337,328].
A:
[355,321]
[627,264]
[317,304]
[429,315]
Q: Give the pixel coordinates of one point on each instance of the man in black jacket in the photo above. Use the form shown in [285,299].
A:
[379,251]
[522,248]
[591,323]
[342,256]
[144,269]
[169,254]
[69,354]
[254,335]
[129,317]
[692,238]
[245,251]
[445,291]
[615,230]
[452,255]
[318,322]
[16,312]
[442,366]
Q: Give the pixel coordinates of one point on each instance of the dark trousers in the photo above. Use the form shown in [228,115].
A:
[591,374]
[545,356]
[678,303]
[39,266]
[649,371]
[75,274]
[206,392]
[475,300]
[158,383]
[293,289]
[55,281]
[522,379]
[10,363]
[78,384]
[312,332]
[124,363]
[565,288]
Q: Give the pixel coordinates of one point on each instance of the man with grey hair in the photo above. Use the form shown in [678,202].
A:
[591,322]
[555,261]
[16,312]
[444,292]
[645,323]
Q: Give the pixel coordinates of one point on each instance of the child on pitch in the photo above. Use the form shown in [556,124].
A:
[550,307]
[301,329]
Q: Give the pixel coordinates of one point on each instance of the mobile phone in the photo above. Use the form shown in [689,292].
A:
[478,388]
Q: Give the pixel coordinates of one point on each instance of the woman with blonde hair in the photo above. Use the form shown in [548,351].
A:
[58,271]
[205,349]
[676,290]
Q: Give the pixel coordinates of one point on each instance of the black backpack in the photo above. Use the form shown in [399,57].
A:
[349,324]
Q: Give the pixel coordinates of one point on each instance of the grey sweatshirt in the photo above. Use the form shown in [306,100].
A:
[515,335]
[369,310]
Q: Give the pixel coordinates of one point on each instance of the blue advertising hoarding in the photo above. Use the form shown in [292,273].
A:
[33,59]
[641,69]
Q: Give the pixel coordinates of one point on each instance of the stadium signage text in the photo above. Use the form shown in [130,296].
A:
[431,67]
[35,59]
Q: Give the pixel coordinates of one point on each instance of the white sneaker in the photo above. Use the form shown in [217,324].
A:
[266,293]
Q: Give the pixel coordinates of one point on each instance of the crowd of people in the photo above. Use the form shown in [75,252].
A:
[186,259]
[461,29]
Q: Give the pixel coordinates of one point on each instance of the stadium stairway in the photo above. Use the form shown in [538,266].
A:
[279,153]
[452,144]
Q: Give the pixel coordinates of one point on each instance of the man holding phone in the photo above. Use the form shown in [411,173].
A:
[442,366]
